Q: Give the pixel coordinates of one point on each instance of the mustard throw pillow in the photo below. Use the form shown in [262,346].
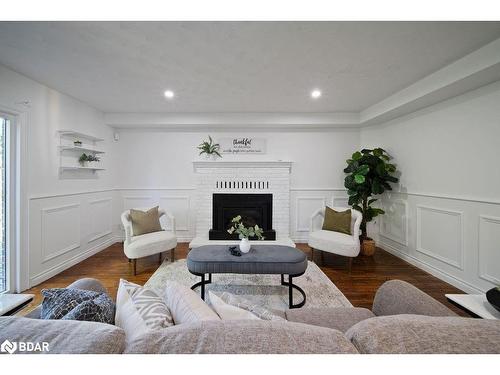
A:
[337,221]
[145,221]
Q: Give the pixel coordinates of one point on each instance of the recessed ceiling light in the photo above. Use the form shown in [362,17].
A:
[169,94]
[315,94]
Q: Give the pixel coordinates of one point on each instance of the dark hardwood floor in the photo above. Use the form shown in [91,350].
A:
[368,273]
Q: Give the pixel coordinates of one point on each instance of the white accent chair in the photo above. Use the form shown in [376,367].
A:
[150,243]
[335,242]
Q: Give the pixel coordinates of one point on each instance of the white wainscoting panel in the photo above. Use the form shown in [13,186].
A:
[176,201]
[440,235]
[101,218]
[60,230]
[394,223]
[340,201]
[306,206]
[137,202]
[304,202]
[456,239]
[64,229]
[179,207]
[489,248]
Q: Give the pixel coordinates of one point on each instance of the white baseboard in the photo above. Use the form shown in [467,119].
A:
[41,277]
[460,284]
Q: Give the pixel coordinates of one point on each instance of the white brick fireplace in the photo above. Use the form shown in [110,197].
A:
[242,177]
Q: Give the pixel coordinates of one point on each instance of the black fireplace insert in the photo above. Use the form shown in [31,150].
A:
[254,209]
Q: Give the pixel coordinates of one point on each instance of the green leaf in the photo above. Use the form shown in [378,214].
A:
[391,179]
[377,187]
[378,152]
[366,151]
[359,178]
[352,200]
[380,169]
[357,208]
[352,192]
[356,156]
[370,201]
[363,170]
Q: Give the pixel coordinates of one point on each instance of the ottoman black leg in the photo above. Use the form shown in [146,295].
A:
[291,287]
[202,283]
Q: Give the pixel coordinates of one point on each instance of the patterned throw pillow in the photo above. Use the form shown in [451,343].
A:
[139,310]
[77,304]
[259,311]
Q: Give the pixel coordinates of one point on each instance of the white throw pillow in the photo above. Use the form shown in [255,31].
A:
[229,312]
[140,310]
[252,307]
[185,305]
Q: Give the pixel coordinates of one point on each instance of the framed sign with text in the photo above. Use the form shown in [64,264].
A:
[243,145]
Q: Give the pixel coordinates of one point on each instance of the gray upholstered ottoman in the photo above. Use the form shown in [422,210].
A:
[261,259]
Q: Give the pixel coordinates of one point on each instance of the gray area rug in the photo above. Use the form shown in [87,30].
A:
[264,290]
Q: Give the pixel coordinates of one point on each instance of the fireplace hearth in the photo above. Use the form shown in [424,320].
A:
[254,209]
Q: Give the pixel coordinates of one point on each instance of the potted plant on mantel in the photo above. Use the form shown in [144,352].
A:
[210,149]
[369,173]
[244,233]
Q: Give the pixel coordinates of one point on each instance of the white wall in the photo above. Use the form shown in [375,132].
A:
[155,164]
[67,221]
[445,217]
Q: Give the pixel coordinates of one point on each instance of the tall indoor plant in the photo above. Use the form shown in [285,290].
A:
[369,173]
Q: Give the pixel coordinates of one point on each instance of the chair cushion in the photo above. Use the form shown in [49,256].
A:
[145,221]
[149,244]
[334,242]
[337,221]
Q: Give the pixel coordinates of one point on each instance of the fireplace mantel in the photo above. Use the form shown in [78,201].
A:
[242,164]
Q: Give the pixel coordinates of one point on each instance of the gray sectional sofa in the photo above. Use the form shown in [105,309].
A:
[403,320]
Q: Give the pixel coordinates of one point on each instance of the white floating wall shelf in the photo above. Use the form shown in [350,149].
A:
[69,152]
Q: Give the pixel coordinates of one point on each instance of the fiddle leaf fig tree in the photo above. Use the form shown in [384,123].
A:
[369,173]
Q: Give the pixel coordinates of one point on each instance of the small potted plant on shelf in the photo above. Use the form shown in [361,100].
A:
[244,233]
[210,149]
[369,173]
[88,160]
[77,143]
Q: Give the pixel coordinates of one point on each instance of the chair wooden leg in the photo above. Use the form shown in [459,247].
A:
[129,260]
[349,265]
[172,255]
[135,266]
[322,258]
[159,258]
[312,254]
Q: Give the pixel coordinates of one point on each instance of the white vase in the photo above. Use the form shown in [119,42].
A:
[211,157]
[244,245]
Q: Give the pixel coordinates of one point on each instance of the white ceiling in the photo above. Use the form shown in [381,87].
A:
[235,66]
